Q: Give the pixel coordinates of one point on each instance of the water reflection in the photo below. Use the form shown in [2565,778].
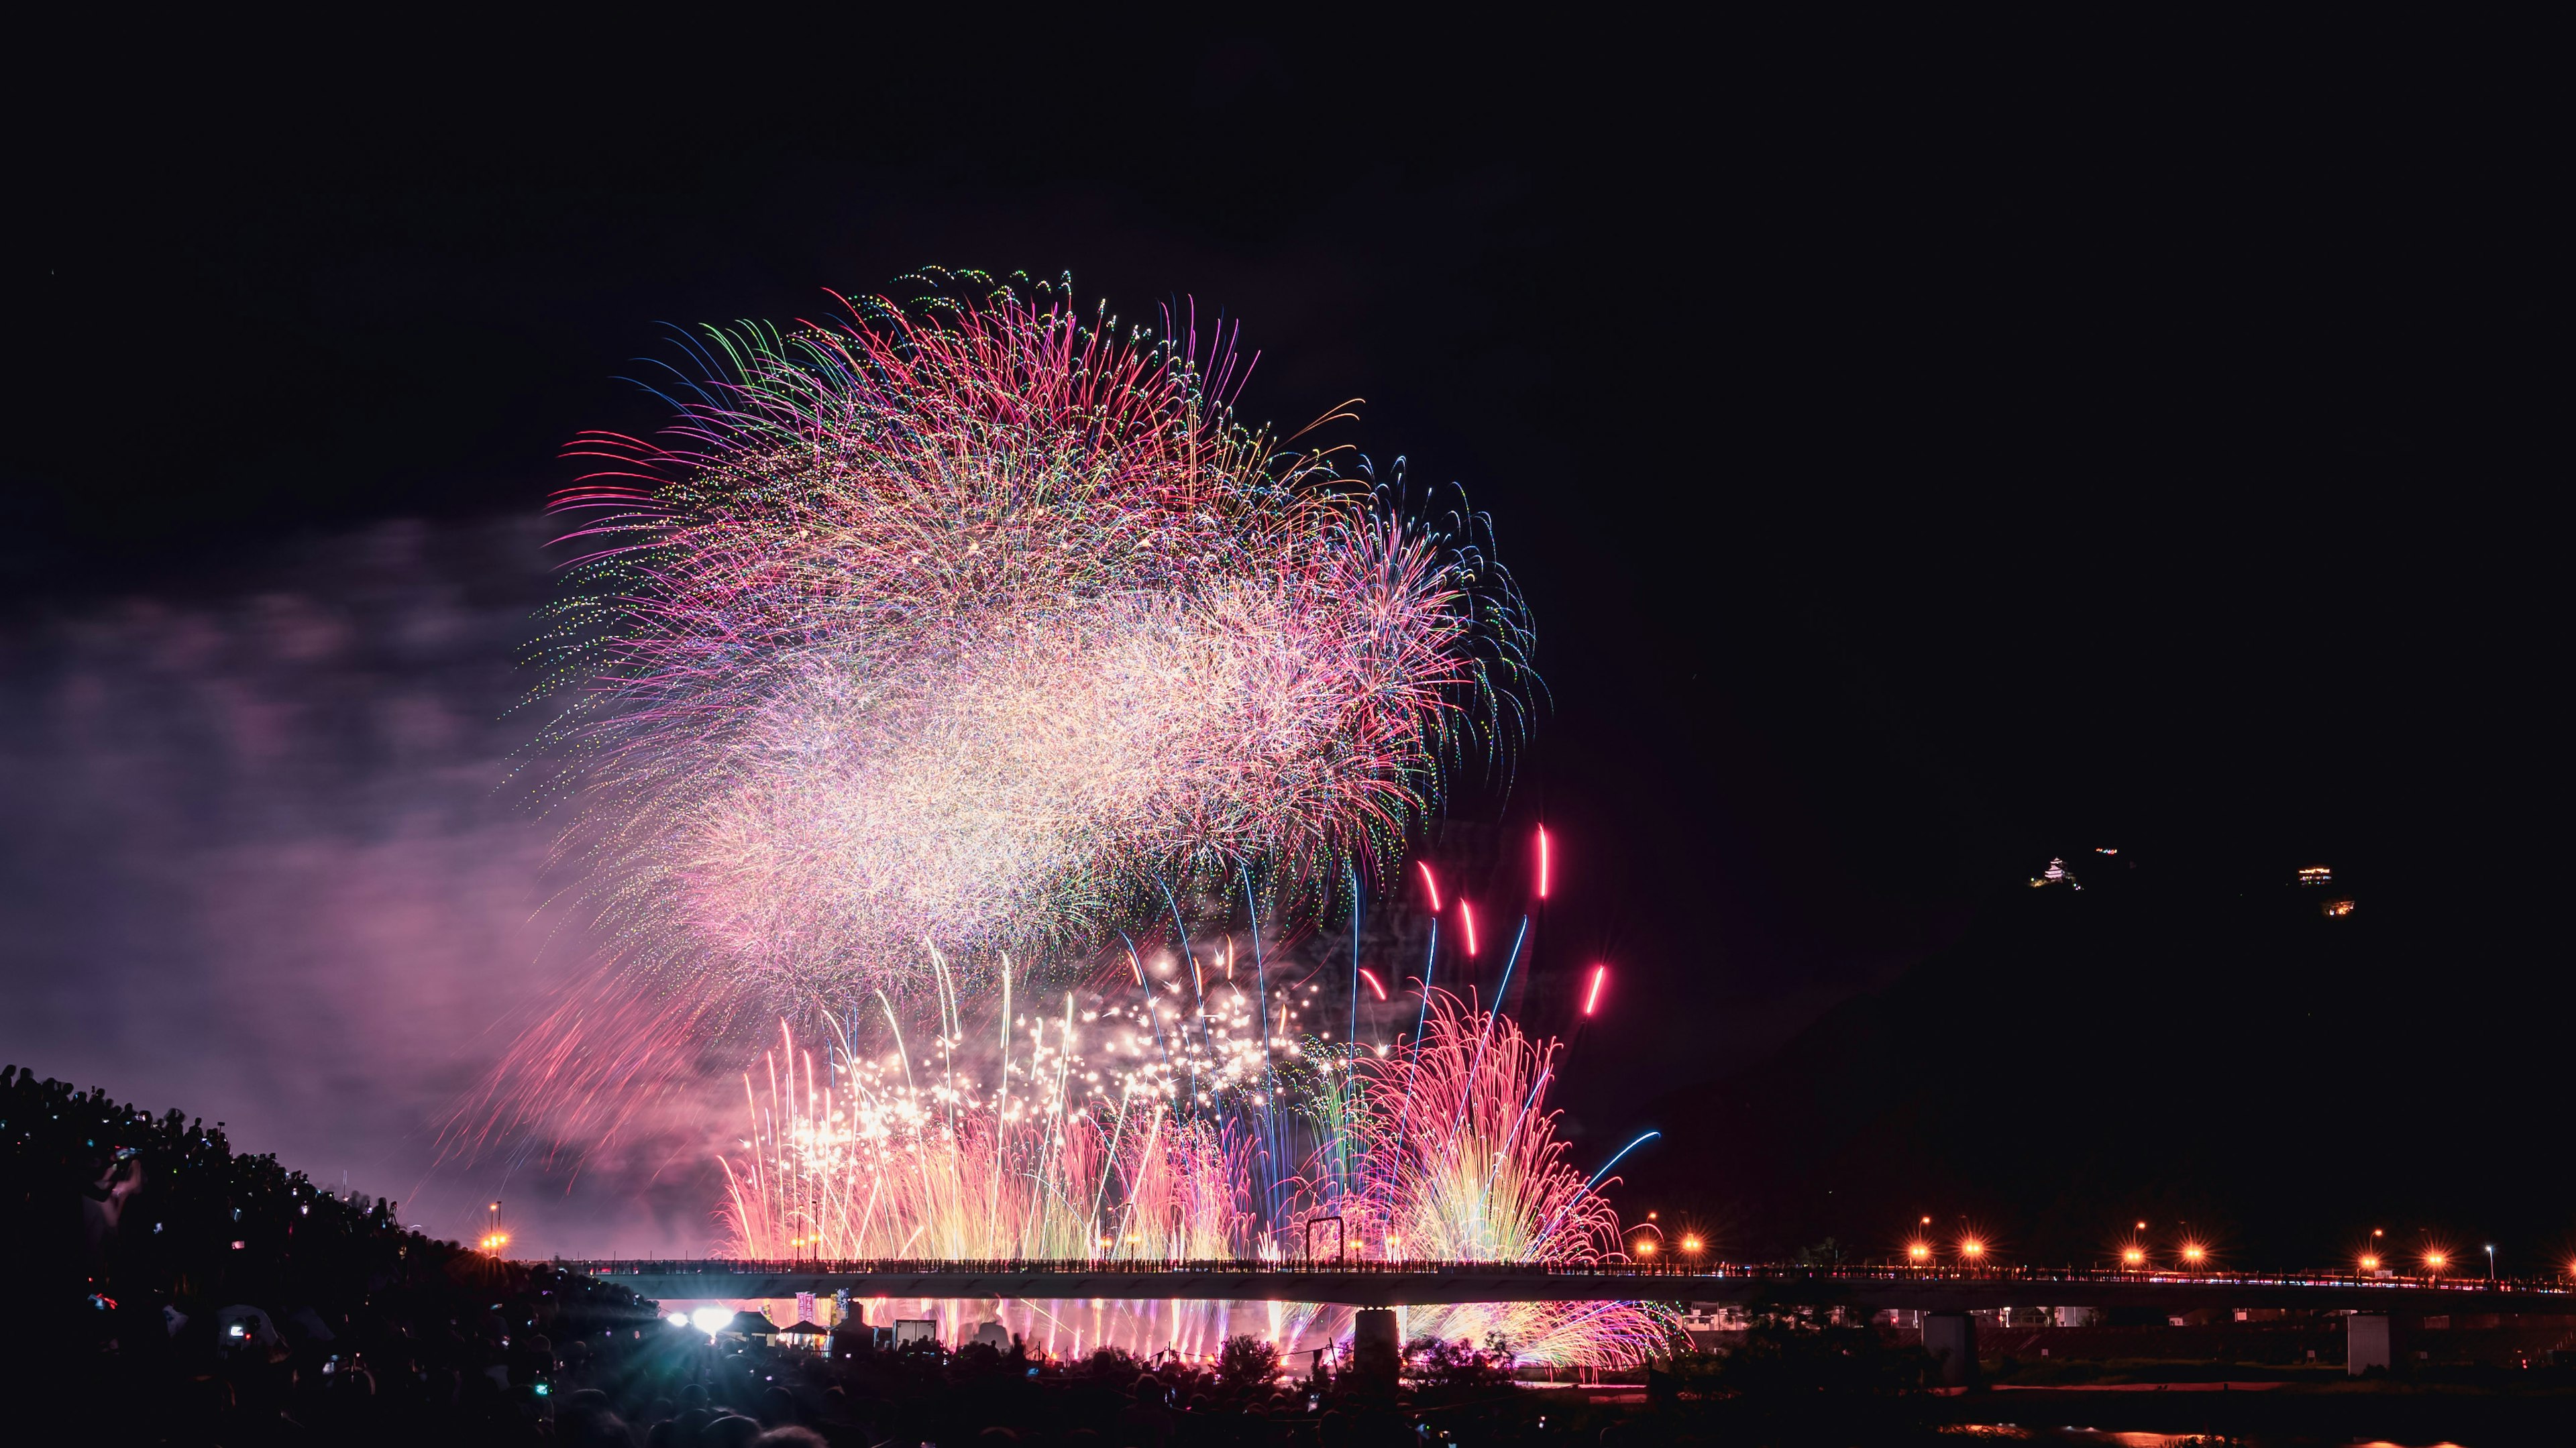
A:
[2098,1436]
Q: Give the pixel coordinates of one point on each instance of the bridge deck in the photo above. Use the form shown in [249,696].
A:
[1419,1284]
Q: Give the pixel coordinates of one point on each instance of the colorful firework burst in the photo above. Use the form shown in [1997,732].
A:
[980,628]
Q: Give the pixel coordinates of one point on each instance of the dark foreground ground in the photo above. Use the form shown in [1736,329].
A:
[172,1291]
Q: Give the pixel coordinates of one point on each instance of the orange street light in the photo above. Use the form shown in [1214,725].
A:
[2194,1253]
[1972,1249]
[2133,1257]
[1690,1244]
[2435,1261]
[2369,1261]
[1919,1252]
[1645,1246]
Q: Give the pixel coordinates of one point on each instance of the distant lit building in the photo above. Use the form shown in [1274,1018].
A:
[2055,874]
[2333,906]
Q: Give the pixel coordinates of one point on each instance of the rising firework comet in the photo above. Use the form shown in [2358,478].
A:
[980,628]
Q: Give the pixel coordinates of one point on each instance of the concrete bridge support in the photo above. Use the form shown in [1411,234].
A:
[1375,1352]
[1951,1339]
[2374,1340]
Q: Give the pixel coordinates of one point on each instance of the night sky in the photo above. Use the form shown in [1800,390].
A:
[1912,480]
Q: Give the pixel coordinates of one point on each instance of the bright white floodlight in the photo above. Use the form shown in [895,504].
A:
[708,1319]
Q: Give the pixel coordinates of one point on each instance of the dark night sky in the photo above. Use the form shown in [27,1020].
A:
[1913,478]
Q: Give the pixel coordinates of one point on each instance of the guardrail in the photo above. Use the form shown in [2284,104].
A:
[1855,1274]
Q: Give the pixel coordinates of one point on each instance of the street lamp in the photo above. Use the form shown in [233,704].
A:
[2133,1257]
[2491,1262]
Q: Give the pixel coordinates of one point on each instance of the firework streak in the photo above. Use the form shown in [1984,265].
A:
[1443,1150]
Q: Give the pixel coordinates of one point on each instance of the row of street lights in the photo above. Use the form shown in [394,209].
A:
[2194,1254]
[1650,1240]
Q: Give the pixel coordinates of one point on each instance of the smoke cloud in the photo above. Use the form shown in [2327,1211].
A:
[263,864]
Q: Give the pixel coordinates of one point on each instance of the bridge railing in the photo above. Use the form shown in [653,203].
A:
[1857,1273]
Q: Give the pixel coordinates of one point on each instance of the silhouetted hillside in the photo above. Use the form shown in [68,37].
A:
[2217,1052]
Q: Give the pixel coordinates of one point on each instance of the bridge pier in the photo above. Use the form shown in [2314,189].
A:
[1951,1339]
[1374,1349]
[2373,1340]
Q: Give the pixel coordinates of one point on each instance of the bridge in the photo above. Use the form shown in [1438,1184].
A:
[1423,1284]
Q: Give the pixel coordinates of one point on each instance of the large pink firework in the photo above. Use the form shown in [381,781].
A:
[1458,1160]
[973,628]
